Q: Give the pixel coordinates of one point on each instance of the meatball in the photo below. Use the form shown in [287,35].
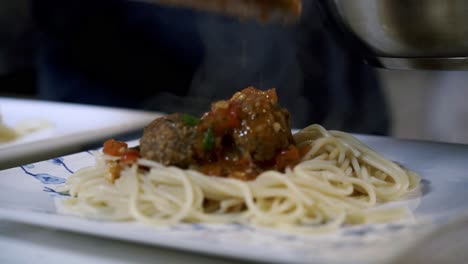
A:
[264,128]
[170,141]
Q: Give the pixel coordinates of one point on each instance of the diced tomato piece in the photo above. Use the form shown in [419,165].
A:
[224,115]
[287,158]
[214,169]
[304,149]
[130,156]
[225,119]
[233,114]
[114,147]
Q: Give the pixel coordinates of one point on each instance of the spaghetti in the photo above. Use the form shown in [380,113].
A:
[339,181]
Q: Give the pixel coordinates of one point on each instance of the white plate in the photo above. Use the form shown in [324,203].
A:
[72,126]
[27,196]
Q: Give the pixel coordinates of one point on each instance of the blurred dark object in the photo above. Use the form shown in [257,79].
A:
[277,11]
[17,51]
[131,54]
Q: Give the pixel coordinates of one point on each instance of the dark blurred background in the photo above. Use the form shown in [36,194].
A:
[17,49]
[134,55]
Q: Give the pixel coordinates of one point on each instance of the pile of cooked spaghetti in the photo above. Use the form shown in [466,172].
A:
[240,163]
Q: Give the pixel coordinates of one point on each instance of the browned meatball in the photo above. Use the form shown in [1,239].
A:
[264,129]
[169,140]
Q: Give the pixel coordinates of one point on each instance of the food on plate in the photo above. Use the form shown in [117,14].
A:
[6,133]
[20,129]
[238,138]
[240,163]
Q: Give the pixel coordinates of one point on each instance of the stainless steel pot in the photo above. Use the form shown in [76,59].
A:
[402,34]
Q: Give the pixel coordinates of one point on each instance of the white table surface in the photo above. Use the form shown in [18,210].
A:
[21,243]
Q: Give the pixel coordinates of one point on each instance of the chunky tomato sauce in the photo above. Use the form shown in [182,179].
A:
[239,138]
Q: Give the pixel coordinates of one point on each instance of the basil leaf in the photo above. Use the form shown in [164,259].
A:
[190,120]
[208,139]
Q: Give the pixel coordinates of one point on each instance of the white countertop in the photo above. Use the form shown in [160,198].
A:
[21,243]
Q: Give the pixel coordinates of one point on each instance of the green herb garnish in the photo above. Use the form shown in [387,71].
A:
[190,120]
[208,140]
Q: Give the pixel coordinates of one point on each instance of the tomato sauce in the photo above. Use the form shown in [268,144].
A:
[239,138]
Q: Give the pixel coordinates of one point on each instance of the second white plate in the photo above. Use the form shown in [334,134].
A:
[71,128]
